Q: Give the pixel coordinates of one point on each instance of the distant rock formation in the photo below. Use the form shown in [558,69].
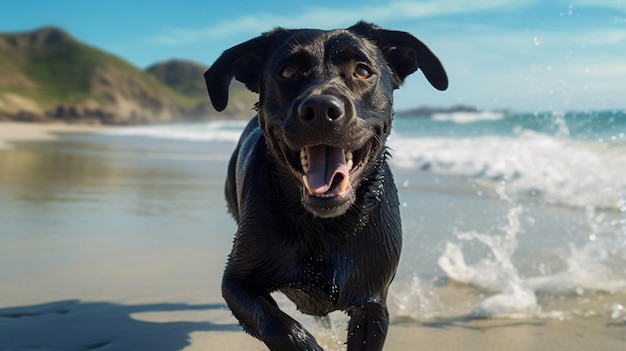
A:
[47,75]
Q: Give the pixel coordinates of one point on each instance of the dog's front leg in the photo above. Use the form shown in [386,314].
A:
[260,317]
[368,327]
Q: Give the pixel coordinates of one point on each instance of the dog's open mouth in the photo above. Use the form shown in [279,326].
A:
[327,172]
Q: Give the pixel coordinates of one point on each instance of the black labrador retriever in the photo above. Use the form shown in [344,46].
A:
[309,185]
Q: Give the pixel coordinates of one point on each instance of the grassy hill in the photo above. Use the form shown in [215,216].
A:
[48,75]
[184,77]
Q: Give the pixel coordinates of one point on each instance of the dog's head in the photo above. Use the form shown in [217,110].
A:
[325,105]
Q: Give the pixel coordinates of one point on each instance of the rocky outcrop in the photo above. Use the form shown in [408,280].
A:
[47,75]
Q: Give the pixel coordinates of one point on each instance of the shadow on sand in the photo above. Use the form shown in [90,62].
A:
[75,325]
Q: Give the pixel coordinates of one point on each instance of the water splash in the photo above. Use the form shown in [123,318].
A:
[413,300]
[587,269]
[562,130]
[497,274]
[617,311]
[593,267]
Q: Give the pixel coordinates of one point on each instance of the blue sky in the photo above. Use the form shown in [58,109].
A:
[517,54]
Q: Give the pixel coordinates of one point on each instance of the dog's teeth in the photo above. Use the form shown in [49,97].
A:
[306,183]
[349,161]
[304,160]
[343,185]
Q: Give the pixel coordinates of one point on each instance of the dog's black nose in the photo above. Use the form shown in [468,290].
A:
[324,107]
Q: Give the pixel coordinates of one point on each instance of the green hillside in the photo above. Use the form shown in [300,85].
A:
[48,75]
[184,77]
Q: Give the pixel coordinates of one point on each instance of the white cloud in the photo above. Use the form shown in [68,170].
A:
[594,37]
[323,17]
[612,4]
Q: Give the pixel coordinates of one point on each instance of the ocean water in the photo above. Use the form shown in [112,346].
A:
[504,215]
[571,159]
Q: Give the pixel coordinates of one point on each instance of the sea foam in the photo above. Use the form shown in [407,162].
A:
[558,170]
[468,117]
[213,131]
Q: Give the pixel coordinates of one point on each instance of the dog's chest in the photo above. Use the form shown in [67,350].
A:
[316,284]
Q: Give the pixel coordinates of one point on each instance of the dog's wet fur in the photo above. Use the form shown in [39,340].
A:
[308,183]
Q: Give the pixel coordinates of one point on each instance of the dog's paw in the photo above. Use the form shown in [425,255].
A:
[288,335]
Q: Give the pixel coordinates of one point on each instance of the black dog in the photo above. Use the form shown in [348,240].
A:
[308,183]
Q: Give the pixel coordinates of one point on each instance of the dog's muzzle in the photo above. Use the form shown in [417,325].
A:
[322,154]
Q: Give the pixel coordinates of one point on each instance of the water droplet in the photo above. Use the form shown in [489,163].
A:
[537,40]
[616,310]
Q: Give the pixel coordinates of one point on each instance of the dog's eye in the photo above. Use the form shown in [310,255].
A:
[362,72]
[288,72]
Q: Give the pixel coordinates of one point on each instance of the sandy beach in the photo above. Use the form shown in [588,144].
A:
[11,132]
[102,248]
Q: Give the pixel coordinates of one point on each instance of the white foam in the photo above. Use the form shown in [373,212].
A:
[413,300]
[486,274]
[214,131]
[468,117]
[587,270]
[559,170]
[513,297]
[516,301]
[594,267]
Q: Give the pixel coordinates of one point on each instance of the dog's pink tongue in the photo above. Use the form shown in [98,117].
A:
[327,173]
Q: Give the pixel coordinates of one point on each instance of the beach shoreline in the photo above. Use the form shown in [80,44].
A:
[12,132]
[147,275]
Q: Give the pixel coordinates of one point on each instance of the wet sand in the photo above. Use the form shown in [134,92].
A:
[11,132]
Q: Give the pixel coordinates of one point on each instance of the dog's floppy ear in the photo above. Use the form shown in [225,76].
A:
[405,54]
[244,62]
